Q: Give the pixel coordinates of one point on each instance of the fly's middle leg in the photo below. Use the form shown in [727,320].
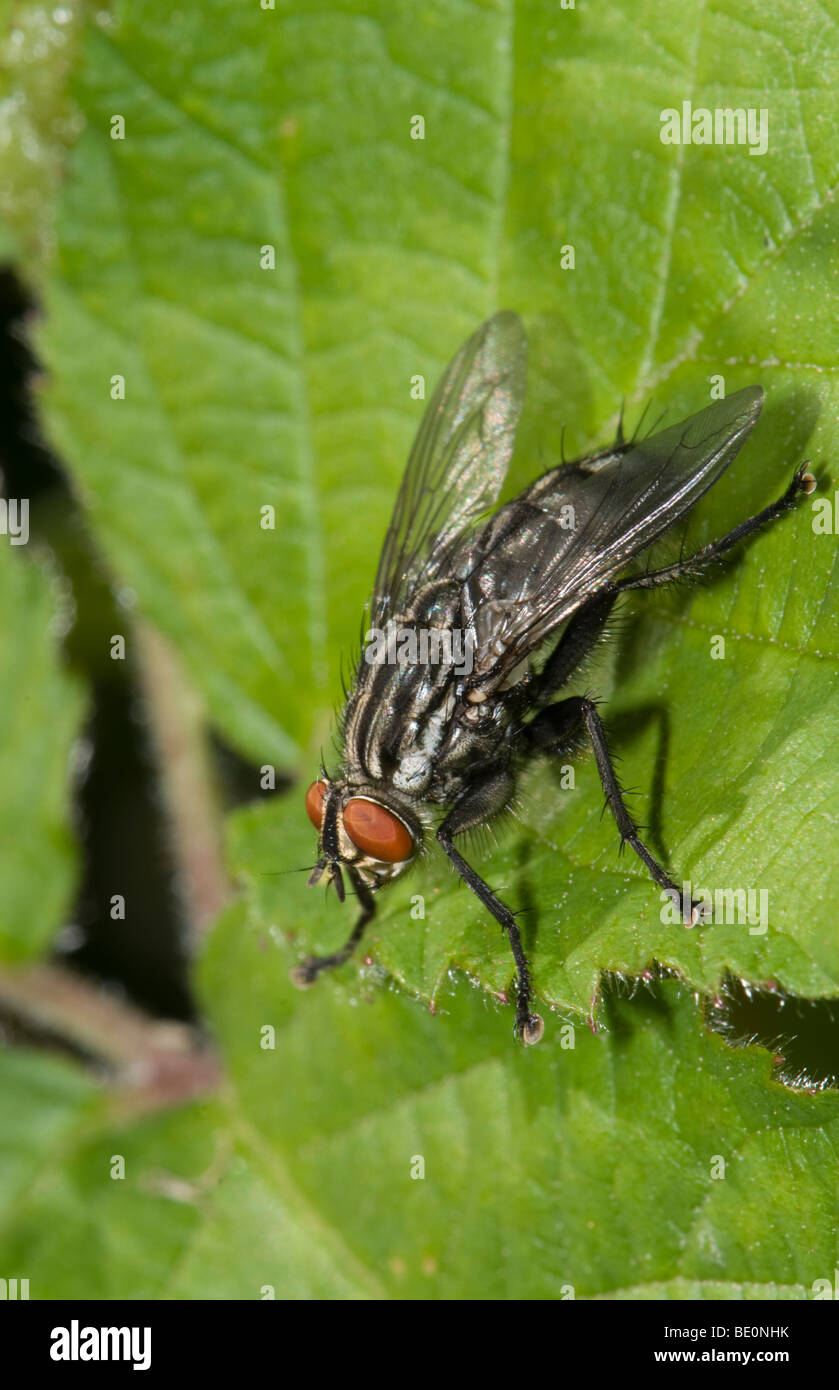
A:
[576,643]
[484,798]
[307,972]
[558,728]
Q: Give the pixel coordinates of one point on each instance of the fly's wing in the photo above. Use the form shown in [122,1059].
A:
[458,461]
[578,526]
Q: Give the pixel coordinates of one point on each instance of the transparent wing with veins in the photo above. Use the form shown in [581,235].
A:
[578,526]
[458,462]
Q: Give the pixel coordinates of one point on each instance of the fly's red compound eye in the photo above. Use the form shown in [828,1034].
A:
[314,803]
[377,831]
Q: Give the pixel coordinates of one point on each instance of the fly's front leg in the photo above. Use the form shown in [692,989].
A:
[485,798]
[556,728]
[305,974]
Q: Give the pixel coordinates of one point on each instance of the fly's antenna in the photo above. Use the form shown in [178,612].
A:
[620,439]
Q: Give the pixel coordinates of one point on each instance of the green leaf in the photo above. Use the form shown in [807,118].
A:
[38,47]
[290,388]
[587,1165]
[43,1101]
[641,1162]
[728,755]
[40,711]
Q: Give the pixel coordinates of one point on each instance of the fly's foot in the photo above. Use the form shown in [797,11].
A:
[305,975]
[695,911]
[530,1028]
[699,914]
[804,479]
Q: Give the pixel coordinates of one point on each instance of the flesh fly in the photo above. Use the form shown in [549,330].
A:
[505,610]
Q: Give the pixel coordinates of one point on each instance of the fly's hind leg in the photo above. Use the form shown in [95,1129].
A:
[484,798]
[587,625]
[802,482]
[307,972]
[558,728]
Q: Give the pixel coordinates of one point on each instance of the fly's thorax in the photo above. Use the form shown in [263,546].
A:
[408,685]
[372,830]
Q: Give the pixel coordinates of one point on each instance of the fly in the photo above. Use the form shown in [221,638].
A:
[446,706]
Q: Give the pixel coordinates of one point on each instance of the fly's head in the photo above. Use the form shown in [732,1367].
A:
[363,829]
